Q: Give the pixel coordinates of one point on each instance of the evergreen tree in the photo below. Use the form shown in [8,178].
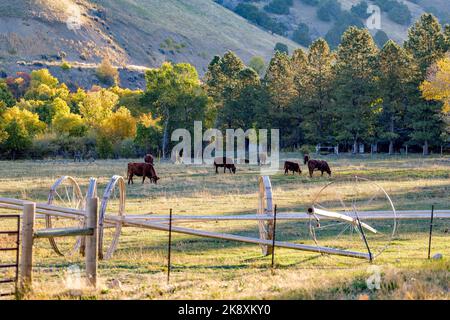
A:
[426,42]
[355,87]
[317,85]
[242,103]
[222,74]
[396,72]
[280,91]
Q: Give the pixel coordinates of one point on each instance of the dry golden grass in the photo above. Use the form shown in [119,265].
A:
[215,269]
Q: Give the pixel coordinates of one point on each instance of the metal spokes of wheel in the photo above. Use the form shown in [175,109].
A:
[113,204]
[355,215]
[66,193]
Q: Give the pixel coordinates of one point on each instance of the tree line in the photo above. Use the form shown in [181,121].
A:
[392,97]
[355,94]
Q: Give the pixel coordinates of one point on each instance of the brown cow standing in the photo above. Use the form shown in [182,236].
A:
[318,165]
[148,159]
[292,166]
[226,163]
[144,170]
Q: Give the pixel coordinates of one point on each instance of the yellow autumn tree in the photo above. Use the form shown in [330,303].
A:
[30,121]
[70,124]
[437,85]
[98,106]
[119,125]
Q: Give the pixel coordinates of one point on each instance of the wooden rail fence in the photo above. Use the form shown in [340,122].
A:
[29,234]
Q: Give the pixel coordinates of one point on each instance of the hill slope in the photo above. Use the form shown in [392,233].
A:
[306,11]
[129,32]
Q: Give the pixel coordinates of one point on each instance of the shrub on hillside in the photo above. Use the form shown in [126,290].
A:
[107,73]
[65,66]
[281,47]
[328,10]
[301,35]
[360,10]
[253,14]
[279,6]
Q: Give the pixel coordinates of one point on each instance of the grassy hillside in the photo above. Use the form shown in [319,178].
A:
[137,32]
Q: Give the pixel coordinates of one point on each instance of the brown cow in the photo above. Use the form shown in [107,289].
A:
[292,166]
[225,163]
[317,165]
[144,170]
[148,158]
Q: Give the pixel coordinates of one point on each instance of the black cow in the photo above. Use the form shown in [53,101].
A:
[292,166]
[225,163]
[317,165]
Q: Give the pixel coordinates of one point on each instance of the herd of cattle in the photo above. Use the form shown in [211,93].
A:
[146,169]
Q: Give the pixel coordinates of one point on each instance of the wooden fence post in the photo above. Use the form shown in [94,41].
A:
[92,242]
[26,259]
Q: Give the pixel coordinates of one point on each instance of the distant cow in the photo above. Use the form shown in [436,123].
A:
[317,165]
[292,166]
[148,159]
[262,158]
[144,170]
[225,163]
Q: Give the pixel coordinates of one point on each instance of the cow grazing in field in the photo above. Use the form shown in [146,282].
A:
[144,170]
[292,166]
[317,165]
[148,159]
[225,163]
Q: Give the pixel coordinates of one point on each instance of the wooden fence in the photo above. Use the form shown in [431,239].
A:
[29,234]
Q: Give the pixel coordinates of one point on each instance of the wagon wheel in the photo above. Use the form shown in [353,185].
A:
[354,199]
[113,203]
[65,192]
[265,206]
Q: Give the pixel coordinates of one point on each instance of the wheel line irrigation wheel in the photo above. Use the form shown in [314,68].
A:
[368,222]
[115,191]
[65,192]
[265,206]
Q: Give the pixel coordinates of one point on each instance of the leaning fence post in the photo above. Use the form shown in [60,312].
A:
[26,259]
[91,253]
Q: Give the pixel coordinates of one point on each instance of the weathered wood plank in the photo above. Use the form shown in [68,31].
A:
[63,232]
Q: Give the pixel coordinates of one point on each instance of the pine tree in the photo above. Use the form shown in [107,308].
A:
[318,113]
[243,101]
[355,87]
[222,78]
[426,42]
[280,91]
[396,72]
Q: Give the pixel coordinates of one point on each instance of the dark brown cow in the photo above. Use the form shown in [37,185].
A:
[225,163]
[148,159]
[292,166]
[317,165]
[144,170]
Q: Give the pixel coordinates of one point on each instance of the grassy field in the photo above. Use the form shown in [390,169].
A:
[216,269]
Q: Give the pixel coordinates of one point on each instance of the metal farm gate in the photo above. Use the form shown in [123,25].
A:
[13,237]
